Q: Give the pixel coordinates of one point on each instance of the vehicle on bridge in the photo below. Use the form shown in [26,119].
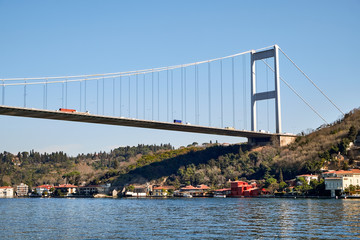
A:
[67,110]
[85,113]
[177,121]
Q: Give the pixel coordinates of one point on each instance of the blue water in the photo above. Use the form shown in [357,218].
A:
[196,218]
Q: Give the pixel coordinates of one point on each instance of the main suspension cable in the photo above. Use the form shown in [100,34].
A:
[134,72]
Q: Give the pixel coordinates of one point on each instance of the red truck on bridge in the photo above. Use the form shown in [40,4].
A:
[67,110]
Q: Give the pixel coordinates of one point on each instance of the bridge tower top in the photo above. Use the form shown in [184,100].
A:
[255,96]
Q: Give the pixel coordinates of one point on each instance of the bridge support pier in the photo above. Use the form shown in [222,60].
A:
[278,140]
[259,141]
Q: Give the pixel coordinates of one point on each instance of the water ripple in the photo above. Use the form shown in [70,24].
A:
[205,218]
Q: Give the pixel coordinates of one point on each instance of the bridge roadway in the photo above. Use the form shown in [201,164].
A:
[131,122]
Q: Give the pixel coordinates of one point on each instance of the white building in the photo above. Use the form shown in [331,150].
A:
[43,189]
[340,180]
[308,177]
[6,192]
[22,190]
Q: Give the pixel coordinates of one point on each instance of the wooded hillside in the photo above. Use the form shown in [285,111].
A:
[328,147]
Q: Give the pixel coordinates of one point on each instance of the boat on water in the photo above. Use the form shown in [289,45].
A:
[219,195]
[187,195]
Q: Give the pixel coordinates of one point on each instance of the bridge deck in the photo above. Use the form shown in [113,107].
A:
[130,122]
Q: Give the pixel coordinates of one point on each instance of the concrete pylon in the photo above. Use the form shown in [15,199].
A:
[255,96]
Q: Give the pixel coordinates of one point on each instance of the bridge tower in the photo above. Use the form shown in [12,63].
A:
[255,56]
[258,96]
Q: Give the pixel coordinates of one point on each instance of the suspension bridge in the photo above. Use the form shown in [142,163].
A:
[215,96]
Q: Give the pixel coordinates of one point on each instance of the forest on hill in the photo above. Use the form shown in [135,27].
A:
[328,147]
[34,168]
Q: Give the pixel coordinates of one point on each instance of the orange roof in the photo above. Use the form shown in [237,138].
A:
[200,187]
[66,186]
[5,187]
[307,175]
[189,187]
[352,171]
[45,186]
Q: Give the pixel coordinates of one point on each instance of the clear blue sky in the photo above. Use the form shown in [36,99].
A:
[52,38]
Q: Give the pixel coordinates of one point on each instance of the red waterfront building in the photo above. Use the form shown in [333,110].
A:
[244,189]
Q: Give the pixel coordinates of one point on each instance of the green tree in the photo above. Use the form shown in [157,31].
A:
[343,145]
[282,185]
[350,189]
[314,165]
[303,186]
[271,184]
[130,188]
[352,133]
[269,181]
[72,177]
[58,193]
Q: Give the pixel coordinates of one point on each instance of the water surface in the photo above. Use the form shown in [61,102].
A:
[196,218]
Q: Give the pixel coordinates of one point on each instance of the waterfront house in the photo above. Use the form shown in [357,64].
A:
[138,191]
[244,189]
[338,181]
[188,188]
[162,191]
[238,188]
[198,188]
[104,188]
[6,192]
[308,177]
[198,191]
[22,190]
[43,190]
[66,189]
[141,191]
[224,192]
[203,187]
[91,190]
